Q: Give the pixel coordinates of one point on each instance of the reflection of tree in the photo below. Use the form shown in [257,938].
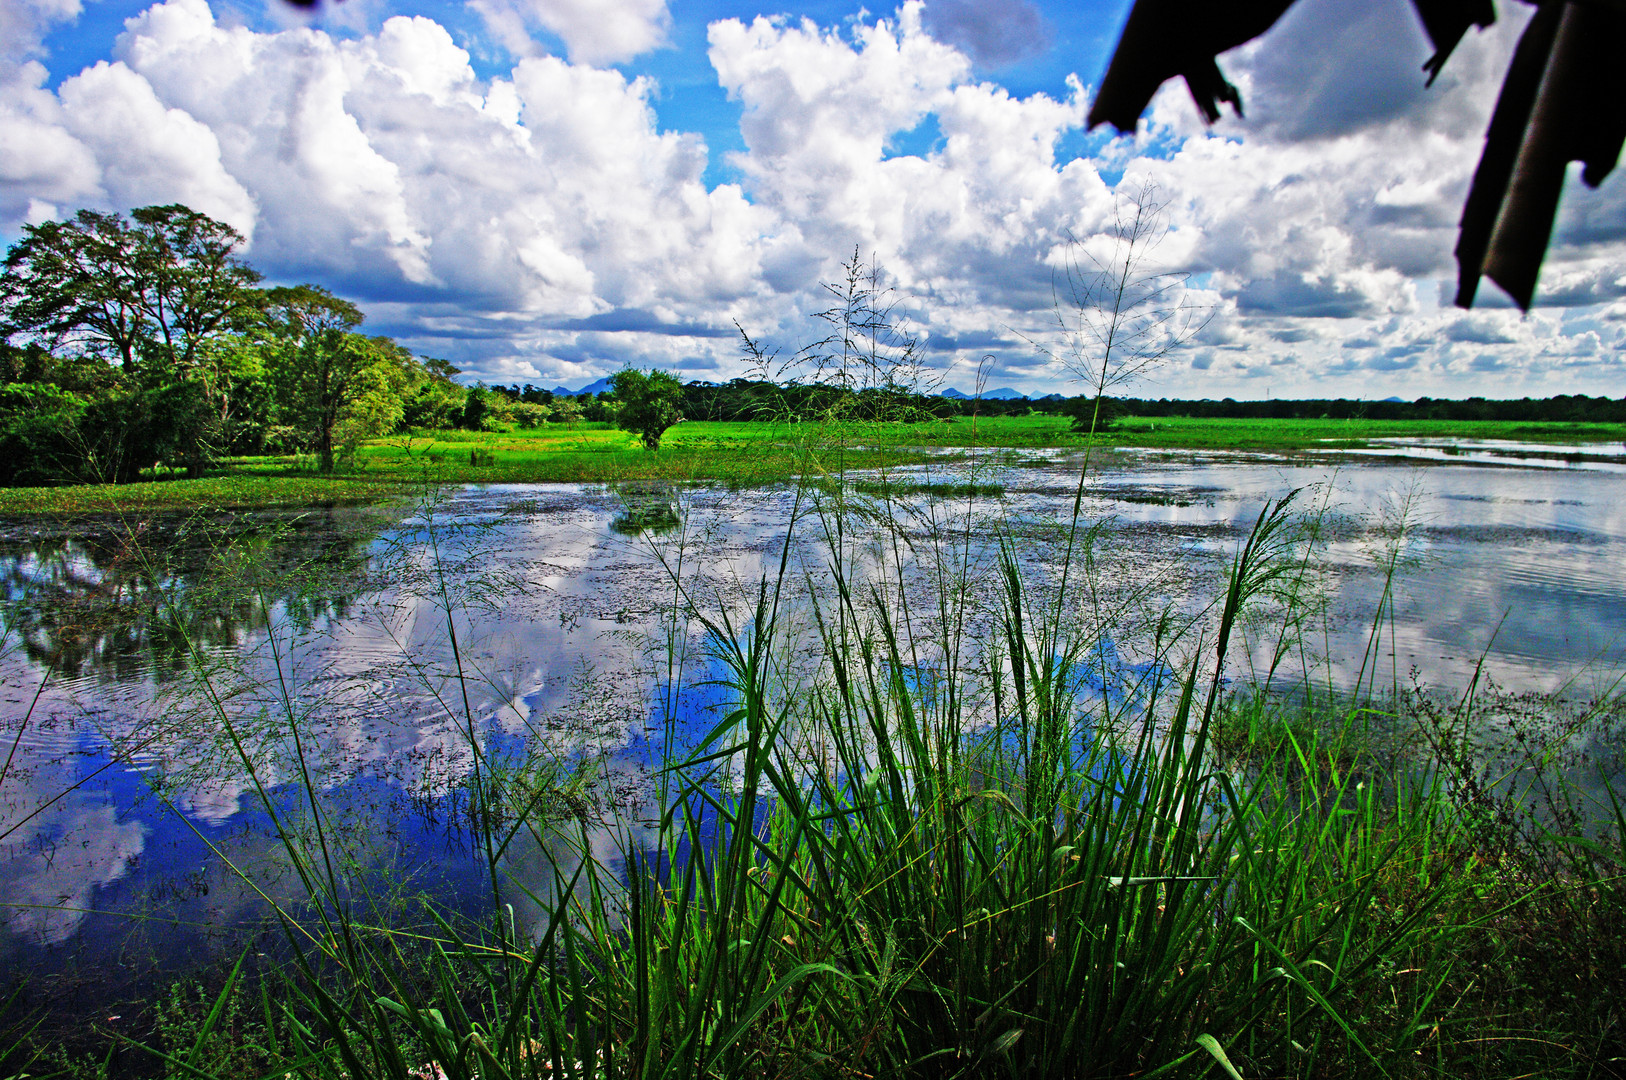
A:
[122,600]
[645,508]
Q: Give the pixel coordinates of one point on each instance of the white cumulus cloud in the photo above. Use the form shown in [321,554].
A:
[541,225]
[593,31]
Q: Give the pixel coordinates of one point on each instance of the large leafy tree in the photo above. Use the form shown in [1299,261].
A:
[147,292]
[376,405]
[435,399]
[197,288]
[75,286]
[330,383]
[165,350]
[150,301]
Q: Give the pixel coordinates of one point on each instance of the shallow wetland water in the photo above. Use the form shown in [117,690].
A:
[129,828]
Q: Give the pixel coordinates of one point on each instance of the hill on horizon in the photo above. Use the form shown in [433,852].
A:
[1004,393]
[597,386]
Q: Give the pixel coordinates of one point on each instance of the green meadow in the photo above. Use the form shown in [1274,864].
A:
[739,453]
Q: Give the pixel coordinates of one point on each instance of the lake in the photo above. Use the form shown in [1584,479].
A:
[378,657]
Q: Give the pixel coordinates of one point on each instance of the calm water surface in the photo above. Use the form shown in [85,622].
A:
[120,805]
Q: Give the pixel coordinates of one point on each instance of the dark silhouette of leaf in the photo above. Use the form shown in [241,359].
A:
[1563,100]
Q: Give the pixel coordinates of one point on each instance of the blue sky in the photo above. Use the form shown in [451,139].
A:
[547,190]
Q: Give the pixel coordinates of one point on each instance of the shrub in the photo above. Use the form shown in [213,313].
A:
[1083,410]
[39,434]
[529,414]
[169,425]
[435,406]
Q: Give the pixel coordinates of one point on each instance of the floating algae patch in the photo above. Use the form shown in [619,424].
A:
[928,490]
[1158,496]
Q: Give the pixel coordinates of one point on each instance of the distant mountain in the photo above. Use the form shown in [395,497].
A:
[597,387]
[1004,393]
[1392,398]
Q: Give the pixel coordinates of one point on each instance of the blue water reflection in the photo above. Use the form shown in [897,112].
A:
[566,605]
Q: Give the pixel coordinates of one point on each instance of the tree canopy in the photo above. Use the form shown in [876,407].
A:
[147,292]
[646,403]
[129,342]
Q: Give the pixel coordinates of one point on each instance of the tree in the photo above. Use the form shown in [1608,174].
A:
[436,400]
[32,363]
[230,372]
[1563,100]
[76,286]
[316,363]
[147,300]
[646,403]
[376,400]
[197,288]
[478,410]
[146,293]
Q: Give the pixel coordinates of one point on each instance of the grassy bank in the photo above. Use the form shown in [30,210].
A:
[743,454]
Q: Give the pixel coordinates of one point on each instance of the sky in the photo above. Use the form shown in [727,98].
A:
[546,191]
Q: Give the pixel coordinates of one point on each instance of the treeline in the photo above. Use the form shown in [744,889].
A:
[130,344]
[748,399]
[752,399]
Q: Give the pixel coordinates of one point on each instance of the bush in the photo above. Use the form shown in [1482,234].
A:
[171,425]
[435,406]
[1083,411]
[484,410]
[39,434]
[51,436]
[529,414]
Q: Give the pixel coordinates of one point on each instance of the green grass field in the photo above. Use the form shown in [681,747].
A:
[744,454]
